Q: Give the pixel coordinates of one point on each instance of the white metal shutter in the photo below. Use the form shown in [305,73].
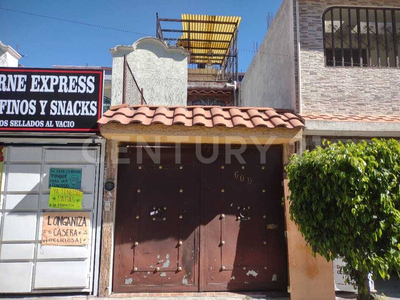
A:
[25,265]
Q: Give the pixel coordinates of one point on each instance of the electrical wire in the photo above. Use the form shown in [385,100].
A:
[75,22]
[121,30]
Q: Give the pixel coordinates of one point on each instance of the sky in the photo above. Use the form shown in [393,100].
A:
[45,42]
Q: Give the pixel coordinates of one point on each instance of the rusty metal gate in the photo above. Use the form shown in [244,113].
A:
[187,225]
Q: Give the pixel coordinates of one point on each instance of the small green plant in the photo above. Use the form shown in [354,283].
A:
[345,199]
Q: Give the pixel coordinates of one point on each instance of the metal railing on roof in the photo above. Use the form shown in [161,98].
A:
[212,41]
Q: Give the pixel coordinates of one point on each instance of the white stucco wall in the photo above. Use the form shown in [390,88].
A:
[270,79]
[160,70]
[7,60]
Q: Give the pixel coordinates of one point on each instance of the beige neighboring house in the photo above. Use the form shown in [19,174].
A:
[336,64]
[8,56]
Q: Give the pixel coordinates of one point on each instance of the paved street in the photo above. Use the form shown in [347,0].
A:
[387,290]
[391,289]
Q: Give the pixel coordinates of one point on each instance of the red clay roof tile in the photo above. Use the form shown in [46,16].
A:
[271,113]
[296,123]
[254,113]
[159,119]
[270,125]
[234,112]
[183,111]
[116,107]
[147,112]
[258,121]
[179,119]
[201,120]
[221,121]
[240,121]
[350,118]
[208,116]
[139,118]
[278,122]
[290,116]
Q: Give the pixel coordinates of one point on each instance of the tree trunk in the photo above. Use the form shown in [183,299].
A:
[364,292]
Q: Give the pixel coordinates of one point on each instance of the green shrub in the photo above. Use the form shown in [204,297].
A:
[345,199]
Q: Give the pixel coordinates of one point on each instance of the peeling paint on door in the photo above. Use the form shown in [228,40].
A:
[166,264]
[252,273]
[201,226]
[128,281]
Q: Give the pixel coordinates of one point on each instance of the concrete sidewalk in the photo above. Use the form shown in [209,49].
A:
[244,297]
[392,295]
[194,296]
[169,296]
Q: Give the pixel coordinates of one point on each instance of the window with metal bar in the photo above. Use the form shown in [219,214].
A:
[209,102]
[361,37]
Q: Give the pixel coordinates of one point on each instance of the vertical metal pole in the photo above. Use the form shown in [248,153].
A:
[396,46]
[359,37]
[351,40]
[341,35]
[237,68]
[369,41]
[124,82]
[378,46]
[323,34]
[157,35]
[386,39]
[189,36]
[237,56]
[333,40]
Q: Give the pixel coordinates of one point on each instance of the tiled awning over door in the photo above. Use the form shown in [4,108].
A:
[201,121]
[207,116]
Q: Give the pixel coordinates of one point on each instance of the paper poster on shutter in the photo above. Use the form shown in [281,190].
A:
[65,198]
[65,178]
[65,229]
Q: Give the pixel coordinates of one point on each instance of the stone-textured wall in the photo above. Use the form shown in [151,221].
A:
[160,70]
[338,90]
[269,81]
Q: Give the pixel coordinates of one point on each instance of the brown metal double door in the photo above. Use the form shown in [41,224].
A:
[191,226]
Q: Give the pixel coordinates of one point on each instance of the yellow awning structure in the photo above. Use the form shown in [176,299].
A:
[208,38]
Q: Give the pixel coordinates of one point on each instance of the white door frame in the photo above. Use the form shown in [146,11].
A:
[27,139]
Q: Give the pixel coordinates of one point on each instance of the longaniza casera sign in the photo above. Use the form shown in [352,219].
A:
[65,228]
[65,100]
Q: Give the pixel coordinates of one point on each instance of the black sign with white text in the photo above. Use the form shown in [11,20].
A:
[65,100]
